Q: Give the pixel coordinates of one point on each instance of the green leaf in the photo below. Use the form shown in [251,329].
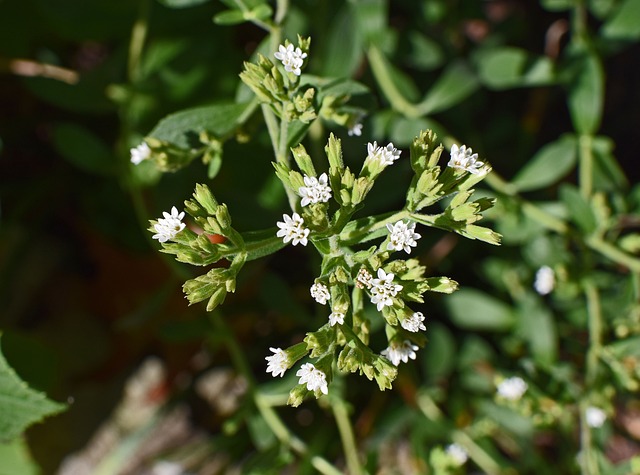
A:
[343,51]
[229,17]
[83,148]
[507,67]
[579,209]
[557,5]
[536,325]
[455,84]
[551,163]
[607,174]
[15,459]
[20,406]
[624,24]
[182,3]
[586,95]
[475,310]
[182,128]
[426,54]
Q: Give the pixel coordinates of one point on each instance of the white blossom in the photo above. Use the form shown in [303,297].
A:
[292,229]
[457,454]
[166,228]
[595,417]
[356,130]
[313,378]
[140,153]
[464,159]
[397,352]
[512,388]
[402,236]
[545,280]
[292,60]
[336,318]
[414,322]
[278,363]
[320,293]
[383,289]
[316,190]
[385,155]
[364,279]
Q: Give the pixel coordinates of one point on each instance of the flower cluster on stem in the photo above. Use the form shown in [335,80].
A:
[463,158]
[166,228]
[292,59]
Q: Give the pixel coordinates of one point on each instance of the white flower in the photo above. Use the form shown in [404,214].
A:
[364,279]
[545,280]
[385,155]
[512,388]
[313,378]
[397,352]
[414,322]
[355,130]
[167,227]
[278,363]
[316,190]
[292,229]
[336,317]
[457,453]
[595,417]
[292,60]
[464,159]
[140,153]
[402,236]
[383,289]
[320,293]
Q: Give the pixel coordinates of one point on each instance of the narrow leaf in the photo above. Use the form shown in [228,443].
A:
[550,164]
[474,310]
[454,85]
[586,95]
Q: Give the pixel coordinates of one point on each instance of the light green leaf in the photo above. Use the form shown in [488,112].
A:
[552,162]
[426,54]
[20,406]
[182,128]
[182,3]
[475,310]
[229,17]
[586,95]
[454,84]
[15,459]
[607,173]
[624,24]
[507,67]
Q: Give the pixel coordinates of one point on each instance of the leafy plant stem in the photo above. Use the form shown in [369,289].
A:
[282,7]
[586,166]
[612,252]
[346,434]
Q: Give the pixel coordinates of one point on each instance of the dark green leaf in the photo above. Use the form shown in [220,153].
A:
[536,325]
[343,51]
[425,53]
[607,173]
[586,95]
[229,17]
[550,164]
[579,209]
[624,24]
[475,310]
[182,3]
[507,67]
[455,84]
[83,148]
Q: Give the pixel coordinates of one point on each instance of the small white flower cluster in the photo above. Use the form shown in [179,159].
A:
[336,318]
[292,229]
[414,322]
[278,363]
[320,293]
[545,280]
[364,279]
[397,352]
[167,227]
[512,388]
[457,453]
[356,130]
[383,289]
[402,236]
[140,153]
[385,155]
[313,378]
[464,159]
[595,417]
[292,59]
[316,190]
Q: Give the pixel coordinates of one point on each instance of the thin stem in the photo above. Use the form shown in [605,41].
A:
[138,37]
[612,252]
[586,166]
[346,434]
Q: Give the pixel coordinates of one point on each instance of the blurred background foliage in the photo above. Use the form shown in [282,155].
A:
[85,298]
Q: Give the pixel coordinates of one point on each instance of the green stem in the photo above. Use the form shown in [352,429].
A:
[612,252]
[138,36]
[363,231]
[346,434]
[586,166]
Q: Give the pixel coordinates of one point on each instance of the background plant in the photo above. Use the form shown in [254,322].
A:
[541,91]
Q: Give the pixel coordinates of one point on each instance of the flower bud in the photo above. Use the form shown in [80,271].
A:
[206,199]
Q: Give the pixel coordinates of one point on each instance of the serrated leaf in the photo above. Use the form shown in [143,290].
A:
[182,128]
[586,96]
[475,310]
[624,24]
[455,84]
[551,163]
[20,406]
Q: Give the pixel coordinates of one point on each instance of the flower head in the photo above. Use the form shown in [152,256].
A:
[545,280]
[414,323]
[397,352]
[278,363]
[512,388]
[166,228]
[140,153]
[383,289]
[402,236]
[364,279]
[457,454]
[292,60]
[356,130]
[464,159]
[385,155]
[336,318]
[320,293]
[316,190]
[292,229]
[313,378]
[595,417]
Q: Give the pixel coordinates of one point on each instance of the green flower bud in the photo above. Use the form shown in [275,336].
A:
[206,199]
[222,216]
[303,160]
[297,395]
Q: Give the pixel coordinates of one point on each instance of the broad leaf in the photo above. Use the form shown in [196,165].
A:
[474,310]
[506,67]
[624,24]
[551,163]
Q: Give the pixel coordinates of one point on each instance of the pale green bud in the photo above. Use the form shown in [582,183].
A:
[318,342]
[385,372]
[216,299]
[441,284]
[223,217]
[206,199]
[303,160]
[297,395]
[361,188]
